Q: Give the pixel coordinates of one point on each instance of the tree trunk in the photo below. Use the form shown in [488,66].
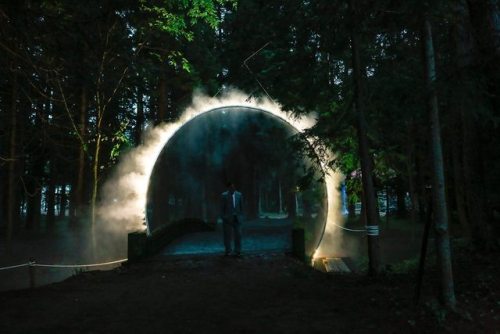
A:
[351,209]
[79,190]
[35,172]
[463,58]
[33,205]
[387,204]
[101,108]
[12,174]
[473,172]
[3,191]
[422,177]
[400,198]
[372,223]
[162,98]
[50,196]
[481,33]
[460,192]
[95,175]
[292,211]
[438,181]
[253,201]
[410,166]
[485,17]
[62,202]
[139,120]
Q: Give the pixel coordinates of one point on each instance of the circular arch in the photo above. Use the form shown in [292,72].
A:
[233,112]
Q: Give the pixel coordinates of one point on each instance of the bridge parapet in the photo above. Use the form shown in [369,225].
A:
[140,245]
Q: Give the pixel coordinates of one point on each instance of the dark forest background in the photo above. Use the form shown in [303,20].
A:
[80,81]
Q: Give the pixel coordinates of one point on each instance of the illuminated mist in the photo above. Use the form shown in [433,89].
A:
[123,204]
[332,242]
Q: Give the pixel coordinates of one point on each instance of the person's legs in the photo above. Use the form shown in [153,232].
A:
[227,229]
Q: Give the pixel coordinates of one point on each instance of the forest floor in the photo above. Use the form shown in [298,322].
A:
[259,293]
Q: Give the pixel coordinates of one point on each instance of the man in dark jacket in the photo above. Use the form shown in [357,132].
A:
[232,217]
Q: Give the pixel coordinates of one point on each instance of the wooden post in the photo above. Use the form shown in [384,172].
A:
[32,273]
[137,244]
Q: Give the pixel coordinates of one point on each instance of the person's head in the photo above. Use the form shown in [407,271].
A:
[230,186]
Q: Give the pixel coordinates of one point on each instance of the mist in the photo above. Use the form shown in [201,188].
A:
[122,208]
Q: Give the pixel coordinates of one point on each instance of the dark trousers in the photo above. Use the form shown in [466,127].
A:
[232,227]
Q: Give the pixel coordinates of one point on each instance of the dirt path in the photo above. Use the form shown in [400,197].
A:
[261,293]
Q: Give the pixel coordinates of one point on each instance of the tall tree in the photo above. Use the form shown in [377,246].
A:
[369,195]
[13,160]
[440,209]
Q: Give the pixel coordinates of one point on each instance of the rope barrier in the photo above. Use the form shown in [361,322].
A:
[371,230]
[34,264]
[16,266]
[348,229]
[78,265]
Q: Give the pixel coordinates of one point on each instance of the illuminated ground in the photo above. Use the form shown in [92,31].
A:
[259,235]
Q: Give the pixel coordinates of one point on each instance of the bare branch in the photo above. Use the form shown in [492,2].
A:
[37,190]
[13,53]
[7,159]
[75,128]
[2,14]
[125,70]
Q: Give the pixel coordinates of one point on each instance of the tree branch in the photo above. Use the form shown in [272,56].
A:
[75,128]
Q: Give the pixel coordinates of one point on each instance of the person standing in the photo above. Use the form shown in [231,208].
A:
[232,217]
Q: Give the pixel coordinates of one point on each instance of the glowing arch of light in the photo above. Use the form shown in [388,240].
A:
[125,194]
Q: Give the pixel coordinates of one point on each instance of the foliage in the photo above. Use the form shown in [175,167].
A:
[121,142]
[67,60]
